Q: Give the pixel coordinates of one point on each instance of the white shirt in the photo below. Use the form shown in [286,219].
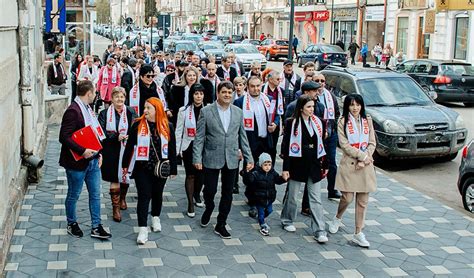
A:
[224,115]
[260,115]
[309,127]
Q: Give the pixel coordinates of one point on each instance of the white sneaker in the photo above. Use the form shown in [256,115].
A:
[290,228]
[155,224]
[360,240]
[321,238]
[142,235]
[334,225]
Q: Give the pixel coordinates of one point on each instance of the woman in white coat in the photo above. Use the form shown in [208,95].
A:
[185,134]
[89,71]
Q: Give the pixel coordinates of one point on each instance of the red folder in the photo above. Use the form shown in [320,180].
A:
[86,138]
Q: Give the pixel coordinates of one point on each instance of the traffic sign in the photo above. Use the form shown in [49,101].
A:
[55,16]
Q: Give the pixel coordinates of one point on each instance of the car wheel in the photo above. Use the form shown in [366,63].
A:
[468,104]
[317,65]
[447,157]
[268,56]
[468,194]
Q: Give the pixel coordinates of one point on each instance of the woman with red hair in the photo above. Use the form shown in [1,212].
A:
[151,140]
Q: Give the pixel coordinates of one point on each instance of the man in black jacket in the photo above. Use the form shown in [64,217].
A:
[107,53]
[290,83]
[128,77]
[225,71]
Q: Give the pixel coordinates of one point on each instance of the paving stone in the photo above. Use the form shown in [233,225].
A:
[395,271]
[57,265]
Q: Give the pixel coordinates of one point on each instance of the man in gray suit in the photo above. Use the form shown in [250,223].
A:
[220,133]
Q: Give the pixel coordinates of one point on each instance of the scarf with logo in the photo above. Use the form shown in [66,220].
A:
[329,113]
[143,144]
[90,118]
[105,75]
[249,111]
[296,137]
[111,125]
[279,101]
[358,134]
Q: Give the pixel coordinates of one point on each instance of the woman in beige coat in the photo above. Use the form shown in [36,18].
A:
[356,172]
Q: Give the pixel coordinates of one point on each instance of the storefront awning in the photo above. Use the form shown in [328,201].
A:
[212,21]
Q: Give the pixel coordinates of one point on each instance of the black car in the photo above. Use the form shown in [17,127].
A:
[215,48]
[407,122]
[323,55]
[466,177]
[451,80]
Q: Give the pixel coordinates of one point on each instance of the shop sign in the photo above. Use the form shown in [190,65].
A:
[374,13]
[442,5]
[430,19]
[345,14]
[303,16]
[412,4]
[320,15]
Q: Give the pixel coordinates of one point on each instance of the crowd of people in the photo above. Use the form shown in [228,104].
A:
[160,110]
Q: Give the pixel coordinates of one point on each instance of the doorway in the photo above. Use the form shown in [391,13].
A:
[423,40]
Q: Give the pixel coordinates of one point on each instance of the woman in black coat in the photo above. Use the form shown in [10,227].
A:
[303,152]
[151,140]
[116,127]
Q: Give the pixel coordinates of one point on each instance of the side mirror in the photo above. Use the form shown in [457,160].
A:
[433,95]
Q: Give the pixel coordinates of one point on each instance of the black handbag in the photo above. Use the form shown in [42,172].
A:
[163,167]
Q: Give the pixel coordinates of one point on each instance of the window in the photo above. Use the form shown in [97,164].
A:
[422,67]
[280,29]
[402,34]
[331,84]
[461,38]
[406,67]
[347,86]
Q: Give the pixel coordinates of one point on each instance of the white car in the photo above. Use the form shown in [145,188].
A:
[247,54]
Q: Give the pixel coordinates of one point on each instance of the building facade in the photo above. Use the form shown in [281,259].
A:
[432,29]
[21,101]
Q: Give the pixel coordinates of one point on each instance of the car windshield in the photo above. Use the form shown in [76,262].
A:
[330,48]
[400,91]
[186,47]
[208,46]
[284,43]
[245,49]
[457,69]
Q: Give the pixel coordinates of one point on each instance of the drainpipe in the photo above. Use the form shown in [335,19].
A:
[26,92]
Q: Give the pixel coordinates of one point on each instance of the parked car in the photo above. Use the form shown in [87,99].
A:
[323,55]
[274,49]
[407,122]
[192,37]
[251,41]
[185,45]
[215,48]
[466,177]
[247,54]
[175,37]
[224,39]
[451,80]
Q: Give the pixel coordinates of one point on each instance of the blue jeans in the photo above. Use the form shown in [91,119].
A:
[330,144]
[75,180]
[264,212]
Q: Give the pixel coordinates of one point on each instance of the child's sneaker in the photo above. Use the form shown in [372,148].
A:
[264,230]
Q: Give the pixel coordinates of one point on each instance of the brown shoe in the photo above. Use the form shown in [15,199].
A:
[306,212]
[123,195]
[115,197]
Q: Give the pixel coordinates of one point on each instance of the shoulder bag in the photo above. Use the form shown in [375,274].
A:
[162,168]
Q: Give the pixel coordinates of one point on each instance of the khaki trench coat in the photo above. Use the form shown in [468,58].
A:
[348,179]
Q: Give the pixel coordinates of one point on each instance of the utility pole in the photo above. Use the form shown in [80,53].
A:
[217,17]
[290,39]
[332,20]
[84,27]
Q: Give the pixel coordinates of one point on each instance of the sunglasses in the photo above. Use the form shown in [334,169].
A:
[150,75]
[170,70]
[320,80]
[111,65]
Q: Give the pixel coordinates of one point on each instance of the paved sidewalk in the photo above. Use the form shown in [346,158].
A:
[410,234]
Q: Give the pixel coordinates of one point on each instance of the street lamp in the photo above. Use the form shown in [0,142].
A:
[292,19]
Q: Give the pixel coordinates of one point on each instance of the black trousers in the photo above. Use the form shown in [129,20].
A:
[211,177]
[149,188]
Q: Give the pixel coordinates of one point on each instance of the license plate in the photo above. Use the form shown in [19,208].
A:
[336,64]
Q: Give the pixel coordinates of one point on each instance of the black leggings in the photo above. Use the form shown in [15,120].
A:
[149,187]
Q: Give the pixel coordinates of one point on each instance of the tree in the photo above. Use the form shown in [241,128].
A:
[150,10]
[103,11]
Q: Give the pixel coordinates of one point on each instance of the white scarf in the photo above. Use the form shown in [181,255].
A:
[135,97]
[296,138]
[248,111]
[190,122]
[134,78]
[186,95]
[143,145]
[123,176]
[226,74]
[90,119]
[279,109]
[329,113]
[56,71]
[105,75]
[283,81]
[237,68]
[358,135]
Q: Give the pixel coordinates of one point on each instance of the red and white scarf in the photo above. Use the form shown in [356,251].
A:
[358,134]
[105,75]
[284,80]
[226,74]
[279,109]
[143,144]
[90,118]
[111,125]
[249,111]
[134,78]
[56,71]
[237,68]
[329,112]
[216,80]
[189,122]
[296,138]
[135,97]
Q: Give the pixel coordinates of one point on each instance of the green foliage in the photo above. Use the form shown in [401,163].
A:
[150,10]
[103,11]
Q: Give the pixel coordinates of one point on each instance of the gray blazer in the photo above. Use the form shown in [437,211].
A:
[213,148]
